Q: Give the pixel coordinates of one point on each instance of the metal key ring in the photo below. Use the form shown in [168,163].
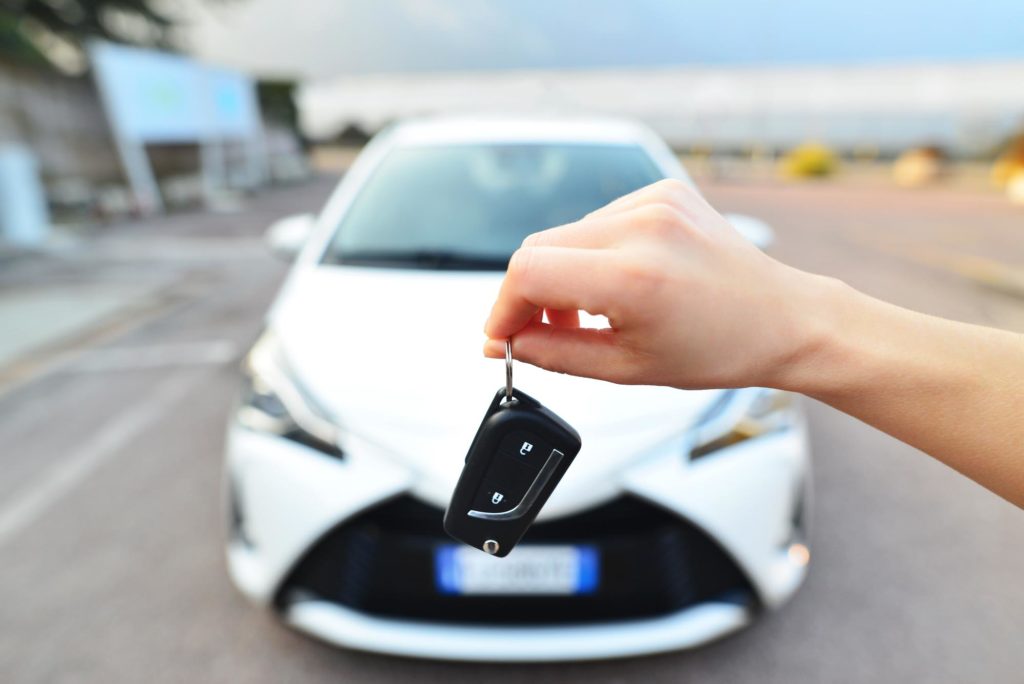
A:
[508,369]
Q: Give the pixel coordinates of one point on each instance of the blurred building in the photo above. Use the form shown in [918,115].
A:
[187,129]
[967,108]
[59,117]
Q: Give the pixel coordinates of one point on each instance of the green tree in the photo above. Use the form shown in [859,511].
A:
[73,22]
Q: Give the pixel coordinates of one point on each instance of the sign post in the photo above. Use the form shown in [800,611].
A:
[155,97]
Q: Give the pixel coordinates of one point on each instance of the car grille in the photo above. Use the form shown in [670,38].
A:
[652,563]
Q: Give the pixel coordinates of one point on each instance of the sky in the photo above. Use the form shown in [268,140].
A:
[319,39]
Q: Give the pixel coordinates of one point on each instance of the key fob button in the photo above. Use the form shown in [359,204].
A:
[504,485]
[526,448]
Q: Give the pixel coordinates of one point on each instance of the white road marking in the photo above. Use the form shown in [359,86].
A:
[32,371]
[212,352]
[23,509]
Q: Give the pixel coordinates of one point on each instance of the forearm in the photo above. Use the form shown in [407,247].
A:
[953,390]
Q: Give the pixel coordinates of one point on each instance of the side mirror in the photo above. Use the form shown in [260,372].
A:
[755,230]
[286,236]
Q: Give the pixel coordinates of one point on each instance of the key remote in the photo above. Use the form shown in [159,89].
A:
[518,456]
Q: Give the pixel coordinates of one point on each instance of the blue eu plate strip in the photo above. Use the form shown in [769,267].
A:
[446,570]
[587,577]
[448,573]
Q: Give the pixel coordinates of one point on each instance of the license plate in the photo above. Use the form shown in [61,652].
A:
[528,570]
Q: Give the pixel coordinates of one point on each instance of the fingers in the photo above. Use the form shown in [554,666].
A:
[676,193]
[603,228]
[588,233]
[583,352]
[553,278]
[607,226]
[564,319]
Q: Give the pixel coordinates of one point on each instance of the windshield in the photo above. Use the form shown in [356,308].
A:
[471,206]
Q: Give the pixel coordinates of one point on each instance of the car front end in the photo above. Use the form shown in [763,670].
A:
[683,516]
[687,535]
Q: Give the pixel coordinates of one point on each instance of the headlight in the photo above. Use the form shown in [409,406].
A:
[741,415]
[273,401]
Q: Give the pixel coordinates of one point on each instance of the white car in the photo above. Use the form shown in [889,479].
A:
[680,520]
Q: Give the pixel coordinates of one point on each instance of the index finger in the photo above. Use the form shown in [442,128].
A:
[588,232]
[563,278]
[672,191]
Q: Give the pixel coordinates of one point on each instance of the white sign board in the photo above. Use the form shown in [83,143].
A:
[155,97]
[159,97]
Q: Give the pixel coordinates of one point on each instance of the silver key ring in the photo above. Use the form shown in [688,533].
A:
[508,369]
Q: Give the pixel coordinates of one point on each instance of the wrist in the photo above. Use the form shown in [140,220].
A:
[816,325]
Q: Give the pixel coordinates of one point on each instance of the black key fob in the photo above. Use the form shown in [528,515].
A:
[518,456]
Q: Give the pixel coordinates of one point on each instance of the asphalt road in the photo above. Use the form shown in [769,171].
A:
[111,567]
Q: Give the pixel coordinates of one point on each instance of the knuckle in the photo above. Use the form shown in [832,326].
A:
[621,373]
[660,219]
[641,276]
[520,263]
[622,367]
[670,187]
[534,239]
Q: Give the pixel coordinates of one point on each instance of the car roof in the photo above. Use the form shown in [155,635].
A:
[463,130]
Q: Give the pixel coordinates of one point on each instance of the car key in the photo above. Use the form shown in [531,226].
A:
[518,456]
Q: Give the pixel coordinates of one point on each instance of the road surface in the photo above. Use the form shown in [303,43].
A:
[111,567]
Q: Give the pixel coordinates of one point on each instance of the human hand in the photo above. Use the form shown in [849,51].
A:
[690,302]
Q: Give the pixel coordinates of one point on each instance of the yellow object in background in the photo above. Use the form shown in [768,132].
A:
[810,160]
[919,166]
[1010,163]
[1015,187]
[1005,169]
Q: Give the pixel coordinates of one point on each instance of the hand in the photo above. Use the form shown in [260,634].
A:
[690,302]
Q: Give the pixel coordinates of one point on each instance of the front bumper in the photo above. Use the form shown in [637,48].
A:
[292,501]
[685,629]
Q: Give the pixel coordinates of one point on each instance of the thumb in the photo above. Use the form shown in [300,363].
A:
[582,352]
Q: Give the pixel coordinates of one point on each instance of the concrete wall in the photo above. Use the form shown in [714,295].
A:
[61,120]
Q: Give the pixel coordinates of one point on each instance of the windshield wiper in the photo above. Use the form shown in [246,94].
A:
[441,260]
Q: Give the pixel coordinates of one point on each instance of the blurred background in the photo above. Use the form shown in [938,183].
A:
[146,145]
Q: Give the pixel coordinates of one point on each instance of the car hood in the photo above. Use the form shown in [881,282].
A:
[395,356]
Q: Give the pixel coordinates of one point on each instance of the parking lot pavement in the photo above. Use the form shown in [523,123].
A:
[109,501]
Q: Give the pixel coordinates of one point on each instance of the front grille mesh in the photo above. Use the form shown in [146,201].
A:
[651,563]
